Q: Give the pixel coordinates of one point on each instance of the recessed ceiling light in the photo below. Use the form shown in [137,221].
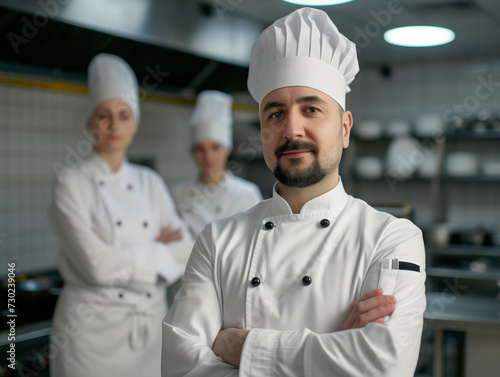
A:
[419,36]
[317,2]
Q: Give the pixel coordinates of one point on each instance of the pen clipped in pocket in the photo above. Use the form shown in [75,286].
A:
[388,276]
[389,271]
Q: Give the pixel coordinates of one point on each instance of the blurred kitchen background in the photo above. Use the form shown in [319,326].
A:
[425,142]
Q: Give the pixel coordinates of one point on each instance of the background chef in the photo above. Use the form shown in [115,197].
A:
[280,279]
[121,243]
[216,193]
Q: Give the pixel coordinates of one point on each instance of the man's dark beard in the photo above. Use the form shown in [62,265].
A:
[310,176]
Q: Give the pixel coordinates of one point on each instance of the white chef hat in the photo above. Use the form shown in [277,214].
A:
[304,48]
[212,118]
[109,76]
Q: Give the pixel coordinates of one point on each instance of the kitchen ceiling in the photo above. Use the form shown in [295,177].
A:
[475,22]
[191,45]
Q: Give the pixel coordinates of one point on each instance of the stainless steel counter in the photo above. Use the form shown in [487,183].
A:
[478,317]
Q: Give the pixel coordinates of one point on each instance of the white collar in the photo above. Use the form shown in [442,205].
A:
[226,181]
[331,201]
[104,169]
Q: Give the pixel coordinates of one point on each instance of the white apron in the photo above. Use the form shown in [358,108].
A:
[108,323]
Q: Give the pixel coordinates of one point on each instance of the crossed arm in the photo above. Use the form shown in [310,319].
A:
[372,307]
[361,345]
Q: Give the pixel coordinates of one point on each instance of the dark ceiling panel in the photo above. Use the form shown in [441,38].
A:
[65,50]
[232,78]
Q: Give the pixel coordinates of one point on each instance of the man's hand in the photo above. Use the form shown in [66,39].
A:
[229,344]
[168,235]
[372,307]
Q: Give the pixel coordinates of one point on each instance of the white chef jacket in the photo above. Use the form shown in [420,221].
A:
[115,273]
[198,204]
[344,246]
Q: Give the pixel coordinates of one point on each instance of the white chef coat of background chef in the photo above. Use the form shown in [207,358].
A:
[107,319]
[198,203]
[260,264]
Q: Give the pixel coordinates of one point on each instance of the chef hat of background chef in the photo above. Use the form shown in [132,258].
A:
[212,118]
[109,76]
[304,48]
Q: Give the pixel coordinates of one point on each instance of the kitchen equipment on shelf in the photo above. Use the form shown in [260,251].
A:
[476,236]
[404,155]
[368,129]
[368,167]
[457,122]
[398,128]
[491,168]
[481,121]
[429,125]
[461,164]
[437,235]
[495,122]
[400,210]
[480,265]
[36,296]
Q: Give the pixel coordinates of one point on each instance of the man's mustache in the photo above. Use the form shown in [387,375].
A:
[296,145]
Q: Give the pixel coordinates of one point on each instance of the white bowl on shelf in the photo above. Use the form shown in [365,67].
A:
[368,130]
[398,128]
[429,125]
[491,168]
[368,167]
[461,164]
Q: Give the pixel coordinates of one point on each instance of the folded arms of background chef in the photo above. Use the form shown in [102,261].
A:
[97,263]
[389,349]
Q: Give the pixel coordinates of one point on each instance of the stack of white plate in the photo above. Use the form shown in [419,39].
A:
[404,156]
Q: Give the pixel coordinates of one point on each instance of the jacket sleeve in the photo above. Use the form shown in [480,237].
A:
[178,250]
[194,320]
[97,263]
[389,349]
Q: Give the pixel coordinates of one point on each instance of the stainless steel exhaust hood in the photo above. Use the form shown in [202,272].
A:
[187,43]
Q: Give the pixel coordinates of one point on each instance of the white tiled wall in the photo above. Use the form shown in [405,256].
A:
[38,127]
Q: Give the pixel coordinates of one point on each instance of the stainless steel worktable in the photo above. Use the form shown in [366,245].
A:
[478,317]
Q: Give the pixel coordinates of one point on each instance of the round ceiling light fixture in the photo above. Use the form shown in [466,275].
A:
[419,36]
[318,3]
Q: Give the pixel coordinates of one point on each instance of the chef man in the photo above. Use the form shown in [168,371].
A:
[293,287]
[121,243]
[216,193]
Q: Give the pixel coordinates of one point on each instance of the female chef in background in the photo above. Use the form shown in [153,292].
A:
[121,243]
[216,193]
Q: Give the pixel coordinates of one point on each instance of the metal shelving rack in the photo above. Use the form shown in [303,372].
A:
[439,185]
